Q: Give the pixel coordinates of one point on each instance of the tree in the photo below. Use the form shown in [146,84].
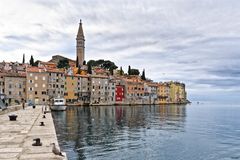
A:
[129,70]
[105,64]
[23,61]
[111,70]
[89,69]
[31,61]
[77,62]
[135,72]
[36,63]
[63,63]
[91,62]
[143,75]
[121,71]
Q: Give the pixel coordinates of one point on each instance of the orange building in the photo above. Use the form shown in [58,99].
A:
[71,88]
[134,89]
[163,93]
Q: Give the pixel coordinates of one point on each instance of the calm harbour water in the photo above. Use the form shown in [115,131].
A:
[191,132]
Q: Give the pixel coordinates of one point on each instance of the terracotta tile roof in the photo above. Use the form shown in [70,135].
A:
[99,76]
[11,74]
[152,84]
[55,70]
[82,76]
[36,69]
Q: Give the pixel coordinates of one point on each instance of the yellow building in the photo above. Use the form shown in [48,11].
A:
[71,93]
[177,92]
[163,93]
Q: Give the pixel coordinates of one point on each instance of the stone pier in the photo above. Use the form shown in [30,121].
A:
[16,137]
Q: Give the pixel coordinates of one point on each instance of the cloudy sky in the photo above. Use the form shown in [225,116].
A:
[195,42]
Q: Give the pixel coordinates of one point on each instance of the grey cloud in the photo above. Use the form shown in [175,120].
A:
[192,41]
[20,38]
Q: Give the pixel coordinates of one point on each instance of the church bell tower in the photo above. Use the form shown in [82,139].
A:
[80,48]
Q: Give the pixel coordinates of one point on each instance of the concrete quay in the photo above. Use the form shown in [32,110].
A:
[16,137]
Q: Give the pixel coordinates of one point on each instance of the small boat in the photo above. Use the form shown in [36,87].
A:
[59,104]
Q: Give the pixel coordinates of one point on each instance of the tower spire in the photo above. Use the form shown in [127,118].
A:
[80,30]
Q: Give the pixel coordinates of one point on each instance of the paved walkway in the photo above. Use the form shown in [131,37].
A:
[16,137]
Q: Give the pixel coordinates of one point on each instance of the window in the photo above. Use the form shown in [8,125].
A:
[36,78]
[30,89]
[10,86]
[35,92]
[10,92]
[36,85]
[43,92]
[43,78]
[20,93]
[30,81]
[43,85]
[31,74]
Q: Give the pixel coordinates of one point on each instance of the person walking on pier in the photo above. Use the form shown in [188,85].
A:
[23,104]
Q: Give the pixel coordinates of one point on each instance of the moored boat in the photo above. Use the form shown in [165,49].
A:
[59,104]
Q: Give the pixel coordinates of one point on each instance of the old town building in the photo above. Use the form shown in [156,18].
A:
[99,90]
[71,94]
[37,85]
[15,88]
[163,93]
[83,85]
[56,83]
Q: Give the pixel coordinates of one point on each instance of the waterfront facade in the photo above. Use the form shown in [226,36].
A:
[41,84]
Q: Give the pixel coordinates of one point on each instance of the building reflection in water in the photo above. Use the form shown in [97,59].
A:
[87,131]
